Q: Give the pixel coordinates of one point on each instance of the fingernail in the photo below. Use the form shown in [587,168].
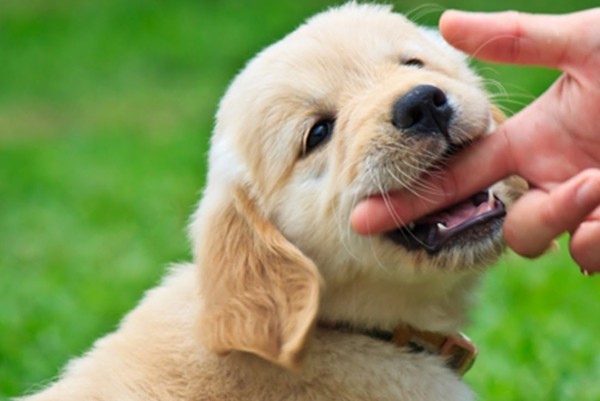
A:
[588,273]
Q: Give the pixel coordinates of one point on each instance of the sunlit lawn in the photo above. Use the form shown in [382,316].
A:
[105,112]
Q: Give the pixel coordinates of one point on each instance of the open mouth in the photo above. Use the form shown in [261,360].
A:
[434,231]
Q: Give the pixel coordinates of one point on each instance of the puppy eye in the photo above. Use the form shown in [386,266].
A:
[413,62]
[318,135]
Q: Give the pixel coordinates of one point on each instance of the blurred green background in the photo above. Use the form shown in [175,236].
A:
[106,108]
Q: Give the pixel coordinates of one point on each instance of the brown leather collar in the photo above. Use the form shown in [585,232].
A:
[457,349]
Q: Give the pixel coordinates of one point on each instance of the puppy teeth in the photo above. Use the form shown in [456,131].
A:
[441,227]
[491,199]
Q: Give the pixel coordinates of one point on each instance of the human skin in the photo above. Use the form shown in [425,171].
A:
[554,143]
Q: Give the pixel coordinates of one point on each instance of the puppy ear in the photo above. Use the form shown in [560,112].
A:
[260,293]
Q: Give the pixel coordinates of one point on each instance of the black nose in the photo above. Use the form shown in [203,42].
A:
[423,110]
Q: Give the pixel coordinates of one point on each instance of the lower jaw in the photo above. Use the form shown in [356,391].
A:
[469,221]
[473,237]
[474,249]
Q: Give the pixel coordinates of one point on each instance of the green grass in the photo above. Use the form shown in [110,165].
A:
[537,331]
[106,108]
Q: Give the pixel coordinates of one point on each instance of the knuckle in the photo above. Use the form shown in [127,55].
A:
[551,217]
[517,34]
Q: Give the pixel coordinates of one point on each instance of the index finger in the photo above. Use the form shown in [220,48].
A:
[557,41]
[481,165]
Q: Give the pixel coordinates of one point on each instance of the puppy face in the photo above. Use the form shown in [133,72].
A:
[356,102]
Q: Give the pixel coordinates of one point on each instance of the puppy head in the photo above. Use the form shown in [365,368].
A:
[357,101]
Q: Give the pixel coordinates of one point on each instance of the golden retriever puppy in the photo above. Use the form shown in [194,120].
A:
[283,301]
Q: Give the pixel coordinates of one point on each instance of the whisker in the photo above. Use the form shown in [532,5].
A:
[377,183]
[343,223]
[488,42]
[418,13]
[491,84]
[419,187]
[397,220]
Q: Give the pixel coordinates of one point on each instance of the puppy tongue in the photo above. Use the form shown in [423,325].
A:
[458,214]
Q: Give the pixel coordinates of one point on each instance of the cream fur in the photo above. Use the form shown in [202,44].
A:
[273,250]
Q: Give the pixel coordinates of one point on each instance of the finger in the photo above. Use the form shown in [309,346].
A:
[512,37]
[484,163]
[584,244]
[539,217]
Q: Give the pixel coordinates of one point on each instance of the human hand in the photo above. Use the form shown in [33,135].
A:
[554,143]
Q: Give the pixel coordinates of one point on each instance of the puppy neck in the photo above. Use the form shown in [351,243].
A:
[458,351]
[439,304]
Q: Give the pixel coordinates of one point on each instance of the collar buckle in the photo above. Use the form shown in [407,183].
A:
[458,350]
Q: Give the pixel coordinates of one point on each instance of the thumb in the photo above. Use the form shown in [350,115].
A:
[539,217]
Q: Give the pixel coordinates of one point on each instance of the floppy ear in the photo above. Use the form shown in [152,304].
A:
[260,293]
